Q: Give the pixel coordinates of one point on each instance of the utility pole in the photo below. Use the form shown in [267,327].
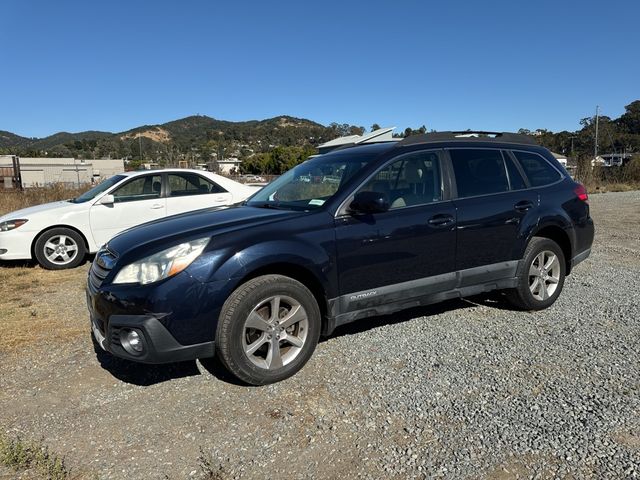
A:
[595,150]
[75,164]
[140,146]
[572,137]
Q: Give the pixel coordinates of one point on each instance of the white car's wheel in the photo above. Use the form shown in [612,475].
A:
[60,248]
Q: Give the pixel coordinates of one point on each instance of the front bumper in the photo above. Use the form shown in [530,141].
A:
[183,332]
[16,244]
[159,346]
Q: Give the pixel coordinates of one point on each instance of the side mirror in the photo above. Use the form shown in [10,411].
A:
[107,200]
[369,202]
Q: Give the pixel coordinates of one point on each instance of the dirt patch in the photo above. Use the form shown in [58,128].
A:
[156,134]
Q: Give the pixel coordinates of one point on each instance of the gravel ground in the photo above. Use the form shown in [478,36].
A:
[464,389]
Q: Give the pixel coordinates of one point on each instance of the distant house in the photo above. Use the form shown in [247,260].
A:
[561,159]
[46,171]
[611,160]
[229,165]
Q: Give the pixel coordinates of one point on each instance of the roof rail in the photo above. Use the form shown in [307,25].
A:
[469,136]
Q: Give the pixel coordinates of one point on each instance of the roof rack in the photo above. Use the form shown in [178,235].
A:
[469,136]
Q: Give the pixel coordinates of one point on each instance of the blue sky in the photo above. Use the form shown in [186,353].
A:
[494,65]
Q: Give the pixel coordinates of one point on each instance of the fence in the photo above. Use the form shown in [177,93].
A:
[10,176]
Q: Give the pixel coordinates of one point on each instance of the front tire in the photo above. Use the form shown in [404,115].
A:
[540,275]
[60,248]
[268,329]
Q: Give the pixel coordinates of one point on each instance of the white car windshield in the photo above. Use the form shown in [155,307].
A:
[98,189]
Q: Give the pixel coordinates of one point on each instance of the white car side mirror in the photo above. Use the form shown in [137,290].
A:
[107,200]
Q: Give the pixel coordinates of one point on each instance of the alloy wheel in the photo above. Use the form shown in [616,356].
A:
[275,332]
[60,249]
[544,275]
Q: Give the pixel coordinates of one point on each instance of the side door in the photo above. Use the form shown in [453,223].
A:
[137,201]
[405,252]
[188,191]
[493,203]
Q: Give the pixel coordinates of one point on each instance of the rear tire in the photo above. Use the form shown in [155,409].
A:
[268,329]
[60,248]
[540,275]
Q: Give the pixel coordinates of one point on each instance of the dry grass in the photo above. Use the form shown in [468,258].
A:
[610,179]
[33,458]
[604,187]
[11,200]
[40,306]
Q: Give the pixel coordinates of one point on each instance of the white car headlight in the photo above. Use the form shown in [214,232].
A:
[11,224]
[163,264]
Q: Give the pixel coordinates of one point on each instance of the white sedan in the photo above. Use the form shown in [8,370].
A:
[59,234]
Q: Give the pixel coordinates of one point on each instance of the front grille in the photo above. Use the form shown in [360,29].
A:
[101,267]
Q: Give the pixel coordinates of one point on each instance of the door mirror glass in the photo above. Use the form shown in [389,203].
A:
[107,200]
[369,202]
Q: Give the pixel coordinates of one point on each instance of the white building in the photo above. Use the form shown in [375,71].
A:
[226,165]
[45,171]
[561,159]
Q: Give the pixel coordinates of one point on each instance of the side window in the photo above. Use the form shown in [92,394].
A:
[537,169]
[181,184]
[479,171]
[515,178]
[413,179]
[141,188]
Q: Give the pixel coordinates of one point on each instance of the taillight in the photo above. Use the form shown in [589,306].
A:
[581,193]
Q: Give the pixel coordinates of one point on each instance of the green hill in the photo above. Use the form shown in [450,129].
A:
[195,138]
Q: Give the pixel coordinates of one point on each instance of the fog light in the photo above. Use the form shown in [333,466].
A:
[131,341]
[3,251]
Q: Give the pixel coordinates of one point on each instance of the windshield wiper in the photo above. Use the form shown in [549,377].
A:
[269,205]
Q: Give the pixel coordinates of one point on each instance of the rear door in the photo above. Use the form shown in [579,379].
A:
[413,241]
[137,201]
[187,191]
[493,200]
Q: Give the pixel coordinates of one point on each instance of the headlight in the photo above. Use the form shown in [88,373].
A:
[11,224]
[163,264]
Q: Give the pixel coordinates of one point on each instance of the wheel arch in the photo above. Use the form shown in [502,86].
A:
[51,227]
[301,274]
[560,236]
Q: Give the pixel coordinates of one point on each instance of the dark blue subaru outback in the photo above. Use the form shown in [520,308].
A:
[350,234]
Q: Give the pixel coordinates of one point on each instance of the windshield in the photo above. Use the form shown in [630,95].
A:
[309,185]
[98,189]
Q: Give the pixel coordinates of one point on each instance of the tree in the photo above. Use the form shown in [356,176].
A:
[375,127]
[630,120]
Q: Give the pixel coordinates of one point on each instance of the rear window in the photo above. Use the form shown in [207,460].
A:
[479,172]
[538,170]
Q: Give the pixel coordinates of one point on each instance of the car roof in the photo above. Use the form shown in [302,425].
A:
[450,138]
[470,136]
[134,173]
[372,148]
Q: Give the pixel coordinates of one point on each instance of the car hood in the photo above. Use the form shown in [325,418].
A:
[31,211]
[163,233]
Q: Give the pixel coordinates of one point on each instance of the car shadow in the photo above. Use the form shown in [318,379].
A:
[145,375]
[18,263]
[32,263]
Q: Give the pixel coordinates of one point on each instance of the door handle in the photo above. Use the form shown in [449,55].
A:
[441,220]
[156,206]
[523,206]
